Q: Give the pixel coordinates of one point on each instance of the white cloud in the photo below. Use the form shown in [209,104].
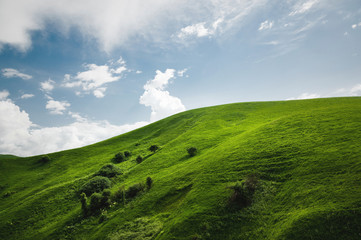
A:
[47,86]
[10,73]
[354,26]
[266,25]
[138,72]
[303,7]
[99,93]
[356,89]
[57,107]
[113,23]
[95,78]
[305,96]
[160,101]
[27,95]
[21,137]
[198,30]
[4,94]
[182,72]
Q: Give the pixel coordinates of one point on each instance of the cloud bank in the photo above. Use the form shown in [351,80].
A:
[21,137]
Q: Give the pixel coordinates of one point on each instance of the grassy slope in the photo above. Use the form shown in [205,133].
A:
[307,154]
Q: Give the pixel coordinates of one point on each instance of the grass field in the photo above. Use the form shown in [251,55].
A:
[306,155]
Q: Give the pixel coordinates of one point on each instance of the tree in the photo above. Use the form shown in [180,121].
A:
[84,207]
[139,159]
[127,154]
[192,151]
[149,182]
[118,158]
[153,148]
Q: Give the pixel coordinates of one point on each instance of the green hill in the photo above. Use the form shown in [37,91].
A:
[302,157]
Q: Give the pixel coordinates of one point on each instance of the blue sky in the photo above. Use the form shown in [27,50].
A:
[77,72]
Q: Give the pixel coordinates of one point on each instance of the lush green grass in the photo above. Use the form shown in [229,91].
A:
[307,155]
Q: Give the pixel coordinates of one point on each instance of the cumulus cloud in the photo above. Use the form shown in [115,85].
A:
[27,95]
[95,78]
[156,97]
[47,86]
[11,73]
[21,137]
[4,94]
[265,25]
[57,107]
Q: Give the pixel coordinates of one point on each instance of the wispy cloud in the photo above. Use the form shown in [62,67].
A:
[27,95]
[12,73]
[95,78]
[265,25]
[302,7]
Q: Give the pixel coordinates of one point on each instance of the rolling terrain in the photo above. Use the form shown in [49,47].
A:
[304,155]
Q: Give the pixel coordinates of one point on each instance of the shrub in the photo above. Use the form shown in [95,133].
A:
[134,190]
[105,201]
[109,170]
[118,158]
[103,217]
[139,159]
[44,159]
[127,154]
[95,202]
[119,195]
[192,151]
[243,191]
[153,148]
[96,184]
[149,182]
[84,206]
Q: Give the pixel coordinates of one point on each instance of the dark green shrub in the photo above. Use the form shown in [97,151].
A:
[119,195]
[243,191]
[149,182]
[153,148]
[105,202]
[127,154]
[118,158]
[95,202]
[139,159]
[44,159]
[103,217]
[96,184]
[134,190]
[192,151]
[109,170]
[84,206]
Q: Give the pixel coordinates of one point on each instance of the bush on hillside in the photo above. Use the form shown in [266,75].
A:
[149,182]
[127,154]
[139,159]
[84,206]
[192,151]
[44,159]
[119,195]
[153,148]
[95,202]
[109,170]
[118,158]
[96,184]
[134,190]
[243,191]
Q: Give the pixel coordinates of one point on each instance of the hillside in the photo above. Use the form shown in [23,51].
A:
[305,156]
